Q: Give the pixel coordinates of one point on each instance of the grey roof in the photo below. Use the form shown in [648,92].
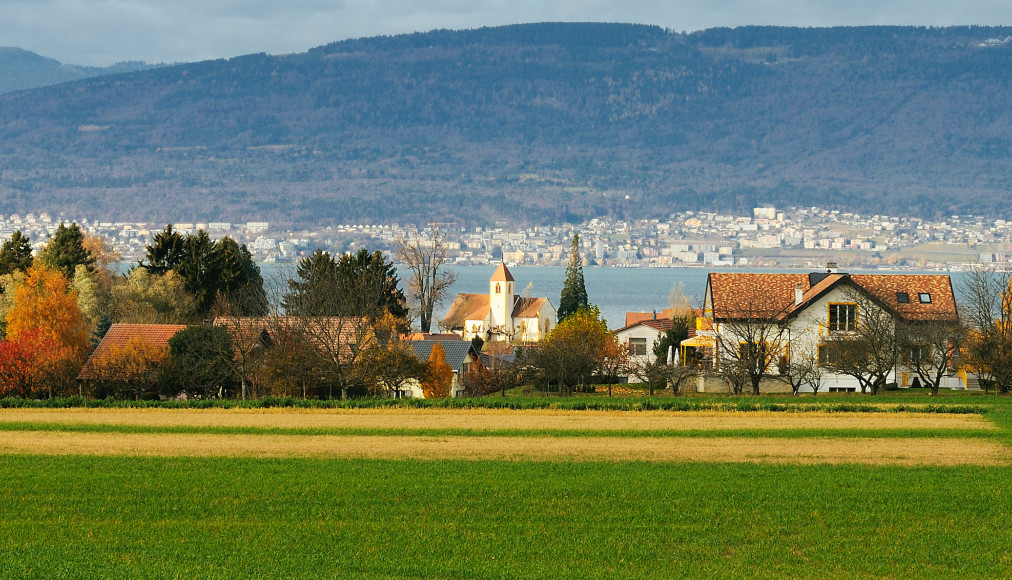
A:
[455,350]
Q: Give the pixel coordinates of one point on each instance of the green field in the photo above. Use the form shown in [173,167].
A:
[77,516]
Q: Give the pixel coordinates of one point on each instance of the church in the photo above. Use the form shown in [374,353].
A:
[500,315]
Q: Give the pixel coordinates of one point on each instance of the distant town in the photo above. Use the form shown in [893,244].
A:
[770,237]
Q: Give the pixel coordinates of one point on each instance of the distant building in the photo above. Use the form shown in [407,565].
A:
[500,314]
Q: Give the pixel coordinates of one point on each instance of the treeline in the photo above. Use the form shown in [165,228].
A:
[336,328]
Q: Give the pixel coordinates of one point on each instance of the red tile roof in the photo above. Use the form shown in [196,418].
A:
[759,295]
[659,324]
[119,335]
[634,317]
[773,295]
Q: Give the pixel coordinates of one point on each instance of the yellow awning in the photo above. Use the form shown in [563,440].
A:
[697,341]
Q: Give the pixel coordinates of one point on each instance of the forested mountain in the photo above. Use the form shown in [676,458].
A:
[531,123]
[21,69]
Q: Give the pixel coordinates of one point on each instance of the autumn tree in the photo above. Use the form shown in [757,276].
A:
[430,279]
[987,311]
[492,374]
[615,360]
[65,250]
[145,298]
[574,291]
[15,254]
[438,378]
[44,304]
[251,335]
[572,353]
[23,364]
[129,369]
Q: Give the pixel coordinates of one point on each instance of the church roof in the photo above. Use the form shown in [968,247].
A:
[466,307]
[527,307]
[501,274]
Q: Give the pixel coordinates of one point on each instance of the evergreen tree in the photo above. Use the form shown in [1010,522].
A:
[65,250]
[373,283]
[200,269]
[239,278]
[360,284]
[311,293]
[574,292]
[16,254]
[165,252]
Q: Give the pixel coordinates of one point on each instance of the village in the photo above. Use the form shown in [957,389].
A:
[194,318]
[768,238]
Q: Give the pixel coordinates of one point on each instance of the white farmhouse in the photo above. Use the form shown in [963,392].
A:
[814,309]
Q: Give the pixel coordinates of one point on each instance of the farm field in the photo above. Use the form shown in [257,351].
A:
[436,493]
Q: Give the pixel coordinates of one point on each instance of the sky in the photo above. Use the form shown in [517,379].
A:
[103,32]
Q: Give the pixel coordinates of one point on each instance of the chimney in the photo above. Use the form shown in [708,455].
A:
[799,293]
[831,267]
[655,315]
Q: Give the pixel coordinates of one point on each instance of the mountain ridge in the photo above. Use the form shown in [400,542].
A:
[22,69]
[540,123]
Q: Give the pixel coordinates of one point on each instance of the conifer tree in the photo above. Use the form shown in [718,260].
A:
[574,292]
[65,251]
[15,254]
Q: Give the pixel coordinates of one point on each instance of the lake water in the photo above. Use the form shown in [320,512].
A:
[614,290]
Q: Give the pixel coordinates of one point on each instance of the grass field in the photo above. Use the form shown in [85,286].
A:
[238,493]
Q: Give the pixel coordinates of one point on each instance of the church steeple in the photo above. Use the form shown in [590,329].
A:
[500,298]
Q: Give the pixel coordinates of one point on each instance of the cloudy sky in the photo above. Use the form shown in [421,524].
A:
[101,32]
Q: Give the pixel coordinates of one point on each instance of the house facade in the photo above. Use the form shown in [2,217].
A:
[640,336]
[500,315]
[812,313]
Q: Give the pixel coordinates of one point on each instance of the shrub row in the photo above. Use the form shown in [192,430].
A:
[513,403]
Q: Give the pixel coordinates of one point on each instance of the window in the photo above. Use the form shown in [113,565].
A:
[638,346]
[916,354]
[751,351]
[828,355]
[842,317]
[903,298]
[924,297]
[498,289]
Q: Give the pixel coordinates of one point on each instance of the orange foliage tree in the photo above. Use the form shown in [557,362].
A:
[46,307]
[21,358]
[439,376]
[131,368]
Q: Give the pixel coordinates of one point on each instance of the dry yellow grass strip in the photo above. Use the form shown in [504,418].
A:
[944,451]
[495,419]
